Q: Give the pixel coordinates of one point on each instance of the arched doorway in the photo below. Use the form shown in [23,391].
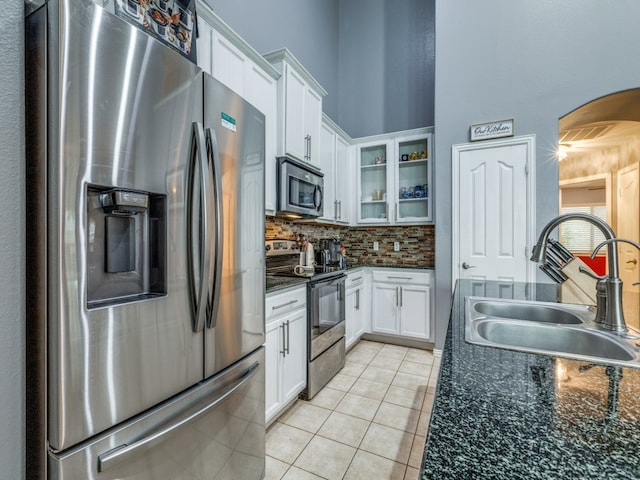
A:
[599,165]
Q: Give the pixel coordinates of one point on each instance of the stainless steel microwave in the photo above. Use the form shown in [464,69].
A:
[300,189]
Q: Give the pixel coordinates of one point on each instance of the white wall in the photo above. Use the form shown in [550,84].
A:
[531,61]
[12,252]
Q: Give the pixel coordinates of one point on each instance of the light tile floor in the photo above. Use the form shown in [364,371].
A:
[369,421]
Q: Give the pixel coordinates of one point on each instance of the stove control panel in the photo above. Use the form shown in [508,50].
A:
[281,247]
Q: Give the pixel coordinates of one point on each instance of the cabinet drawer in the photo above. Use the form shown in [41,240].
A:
[354,279]
[279,304]
[399,276]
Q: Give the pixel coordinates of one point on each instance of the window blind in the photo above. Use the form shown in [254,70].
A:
[580,236]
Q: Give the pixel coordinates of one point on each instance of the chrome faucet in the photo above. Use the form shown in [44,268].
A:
[610,315]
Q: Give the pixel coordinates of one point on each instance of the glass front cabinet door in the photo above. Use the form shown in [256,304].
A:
[413,179]
[374,181]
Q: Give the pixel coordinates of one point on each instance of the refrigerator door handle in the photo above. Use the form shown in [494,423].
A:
[217,245]
[198,259]
[119,454]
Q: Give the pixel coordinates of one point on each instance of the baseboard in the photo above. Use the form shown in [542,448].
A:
[396,340]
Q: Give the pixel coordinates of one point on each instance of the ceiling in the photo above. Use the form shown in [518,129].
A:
[602,122]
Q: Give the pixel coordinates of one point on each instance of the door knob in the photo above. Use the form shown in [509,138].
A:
[633,260]
[466,266]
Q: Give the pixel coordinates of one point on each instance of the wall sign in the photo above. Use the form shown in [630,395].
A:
[485,131]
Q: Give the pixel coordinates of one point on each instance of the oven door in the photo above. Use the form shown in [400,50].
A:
[300,190]
[326,306]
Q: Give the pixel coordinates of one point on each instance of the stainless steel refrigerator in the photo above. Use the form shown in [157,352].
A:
[145,186]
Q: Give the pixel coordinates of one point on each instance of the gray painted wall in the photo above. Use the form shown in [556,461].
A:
[531,61]
[12,252]
[374,57]
[308,28]
[386,65]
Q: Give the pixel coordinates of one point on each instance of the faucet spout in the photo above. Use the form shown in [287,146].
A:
[609,298]
[539,252]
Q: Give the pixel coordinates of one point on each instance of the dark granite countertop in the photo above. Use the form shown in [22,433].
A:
[375,265]
[501,414]
[280,283]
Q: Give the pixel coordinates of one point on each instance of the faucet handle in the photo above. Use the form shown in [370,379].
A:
[589,273]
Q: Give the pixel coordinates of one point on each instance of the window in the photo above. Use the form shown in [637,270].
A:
[580,236]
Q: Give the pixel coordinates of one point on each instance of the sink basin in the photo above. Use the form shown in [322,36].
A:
[540,337]
[527,311]
[548,328]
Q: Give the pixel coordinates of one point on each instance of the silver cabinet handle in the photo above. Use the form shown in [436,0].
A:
[401,291]
[118,455]
[397,296]
[340,209]
[284,342]
[356,279]
[399,278]
[276,307]
[357,306]
[288,337]
[466,266]
[306,147]
[309,147]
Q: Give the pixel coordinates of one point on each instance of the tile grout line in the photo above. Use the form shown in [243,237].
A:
[387,386]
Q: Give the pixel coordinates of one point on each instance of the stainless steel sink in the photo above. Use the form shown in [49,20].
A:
[549,328]
[528,311]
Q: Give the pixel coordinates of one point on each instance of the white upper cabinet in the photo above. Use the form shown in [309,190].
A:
[313,123]
[335,162]
[229,59]
[299,109]
[327,165]
[293,134]
[395,178]
[413,200]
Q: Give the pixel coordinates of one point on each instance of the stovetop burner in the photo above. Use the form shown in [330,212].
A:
[282,256]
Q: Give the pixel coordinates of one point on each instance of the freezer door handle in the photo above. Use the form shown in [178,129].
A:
[198,203]
[217,247]
[121,453]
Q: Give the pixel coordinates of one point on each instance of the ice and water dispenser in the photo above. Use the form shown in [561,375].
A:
[126,246]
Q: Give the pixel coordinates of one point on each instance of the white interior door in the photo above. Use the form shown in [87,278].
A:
[628,226]
[494,210]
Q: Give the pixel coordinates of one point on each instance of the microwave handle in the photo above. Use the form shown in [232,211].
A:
[317,197]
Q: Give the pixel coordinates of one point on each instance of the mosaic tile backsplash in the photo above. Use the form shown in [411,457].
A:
[417,242]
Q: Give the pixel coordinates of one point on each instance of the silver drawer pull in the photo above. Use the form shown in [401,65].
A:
[401,278]
[276,307]
[356,279]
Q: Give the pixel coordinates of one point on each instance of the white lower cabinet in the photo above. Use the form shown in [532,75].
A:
[286,349]
[401,303]
[355,308]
